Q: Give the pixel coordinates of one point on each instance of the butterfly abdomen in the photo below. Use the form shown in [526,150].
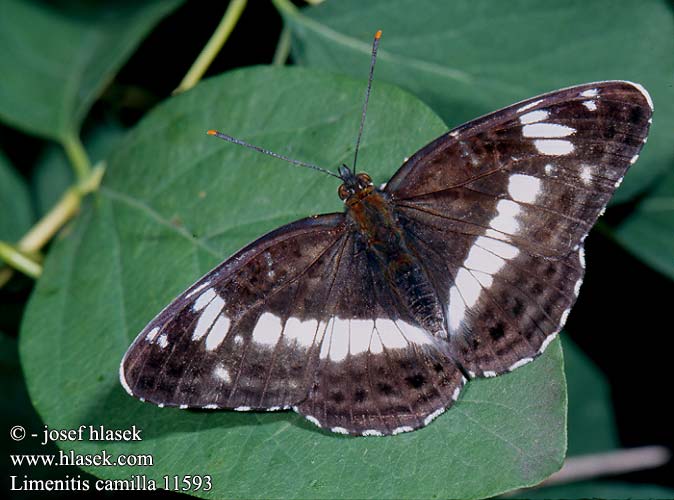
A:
[383,238]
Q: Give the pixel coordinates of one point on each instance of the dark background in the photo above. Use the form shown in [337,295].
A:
[622,299]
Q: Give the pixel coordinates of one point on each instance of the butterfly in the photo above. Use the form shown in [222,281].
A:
[464,264]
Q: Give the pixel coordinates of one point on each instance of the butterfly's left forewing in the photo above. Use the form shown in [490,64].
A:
[498,209]
[247,334]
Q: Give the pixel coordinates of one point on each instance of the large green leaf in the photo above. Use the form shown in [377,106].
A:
[649,231]
[469,57]
[15,409]
[16,213]
[57,57]
[173,203]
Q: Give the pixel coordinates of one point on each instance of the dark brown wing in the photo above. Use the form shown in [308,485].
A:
[247,335]
[379,371]
[498,210]
[296,319]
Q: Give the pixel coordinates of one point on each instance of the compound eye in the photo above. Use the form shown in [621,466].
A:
[343,192]
[364,179]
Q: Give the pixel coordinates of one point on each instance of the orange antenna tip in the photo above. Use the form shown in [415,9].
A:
[212,132]
[377,35]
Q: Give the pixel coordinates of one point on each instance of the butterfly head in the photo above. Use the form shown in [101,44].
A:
[355,186]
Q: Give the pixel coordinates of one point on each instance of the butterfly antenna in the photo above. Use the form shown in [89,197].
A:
[375,46]
[299,163]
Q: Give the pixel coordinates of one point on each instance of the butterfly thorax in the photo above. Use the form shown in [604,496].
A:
[381,236]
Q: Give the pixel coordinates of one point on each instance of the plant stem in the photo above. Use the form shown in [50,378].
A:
[39,235]
[78,156]
[217,40]
[46,228]
[18,260]
[282,47]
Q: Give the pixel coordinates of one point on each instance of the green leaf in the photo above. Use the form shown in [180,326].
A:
[53,175]
[16,409]
[592,427]
[173,203]
[647,232]
[466,58]
[15,207]
[615,490]
[56,59]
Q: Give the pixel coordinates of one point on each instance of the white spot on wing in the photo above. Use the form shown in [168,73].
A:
[204,299]
[303,332]
[524,188]
[634,159]
[457,309]
[505,221]
[400,430]
[565,316]
[339,346]
[586,174]
[433,416]
[468,286]
[198,289]
[183,407]
[553,147]
[534,116]
[327,338]
[413,334]
[576,287]
[530,105]
[122,379]
[222,373]
[339,430]
[313,420]
[500,248]
[590,105]
[390,336]
[162,341]
[519,363]
[372,432]
[589,93]
[482,260]
[455,394]
[547,341]
[361,334]
[152,334]
[210,407]
[217,333]
[208,316]
[376,346]
[581,257]
[242,408]
[489,373]
[547,130]
[268,329]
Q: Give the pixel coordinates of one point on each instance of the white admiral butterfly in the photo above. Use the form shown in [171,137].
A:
[370,321]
